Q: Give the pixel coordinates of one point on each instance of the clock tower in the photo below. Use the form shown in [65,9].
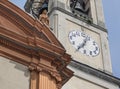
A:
[79,25]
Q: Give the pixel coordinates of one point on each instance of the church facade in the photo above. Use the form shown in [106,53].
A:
[31,57]
[71,53]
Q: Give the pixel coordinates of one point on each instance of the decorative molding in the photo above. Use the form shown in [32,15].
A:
[26,23]
[95,72]
[77,17]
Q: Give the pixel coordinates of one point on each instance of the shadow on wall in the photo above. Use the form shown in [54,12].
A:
[22,68]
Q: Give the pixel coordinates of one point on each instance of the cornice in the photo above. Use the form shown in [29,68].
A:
[77,17]
[97,73]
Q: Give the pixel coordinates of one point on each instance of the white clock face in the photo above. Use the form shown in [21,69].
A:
[84,43]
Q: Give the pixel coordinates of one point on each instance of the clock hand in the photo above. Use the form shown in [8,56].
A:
[80,46]
[83,44]
[85,41]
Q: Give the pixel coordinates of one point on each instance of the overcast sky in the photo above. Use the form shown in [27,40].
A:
[112,18]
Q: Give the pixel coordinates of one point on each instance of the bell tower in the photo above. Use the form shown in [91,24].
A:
[78,23]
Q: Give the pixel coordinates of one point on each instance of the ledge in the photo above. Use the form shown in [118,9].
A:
[95,72]
[73,15]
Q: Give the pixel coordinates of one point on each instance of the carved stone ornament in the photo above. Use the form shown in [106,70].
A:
[31,43]
[36,7]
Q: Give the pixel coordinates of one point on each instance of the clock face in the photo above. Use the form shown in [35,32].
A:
[83,43]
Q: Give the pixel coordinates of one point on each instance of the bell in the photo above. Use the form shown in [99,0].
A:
[80,6]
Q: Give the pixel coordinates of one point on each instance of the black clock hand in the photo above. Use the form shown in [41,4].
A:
[80,46]
[83,44]
[85,41]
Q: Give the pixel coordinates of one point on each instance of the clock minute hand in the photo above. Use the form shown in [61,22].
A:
[85,41]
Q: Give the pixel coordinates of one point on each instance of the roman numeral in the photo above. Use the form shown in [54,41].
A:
[90,52]
[95,52]
[96,48]
[83,35]
[84,51]
[88,38]
[77,33]
[73,34]
[70,37]
[73,42]
[94,43]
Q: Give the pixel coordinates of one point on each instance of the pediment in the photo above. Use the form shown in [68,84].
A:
[10,27]
[15,23]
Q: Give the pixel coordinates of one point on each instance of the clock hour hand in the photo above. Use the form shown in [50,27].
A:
[80,46]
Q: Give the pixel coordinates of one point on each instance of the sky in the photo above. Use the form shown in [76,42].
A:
[112,20]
